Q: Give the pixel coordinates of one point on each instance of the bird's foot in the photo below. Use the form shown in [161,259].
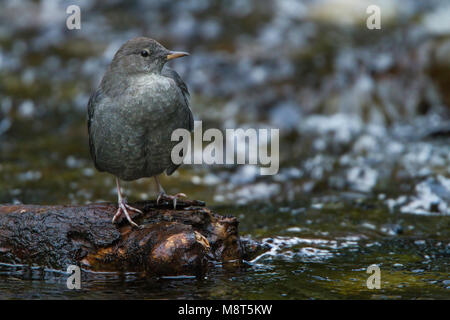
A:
[173,198]
[122,209]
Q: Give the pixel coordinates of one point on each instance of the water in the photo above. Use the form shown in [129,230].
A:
[364,141]
[316,254]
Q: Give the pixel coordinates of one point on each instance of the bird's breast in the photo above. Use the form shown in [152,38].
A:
[150,98]
[134,130]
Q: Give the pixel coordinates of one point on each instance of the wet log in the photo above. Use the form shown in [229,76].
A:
[185,241]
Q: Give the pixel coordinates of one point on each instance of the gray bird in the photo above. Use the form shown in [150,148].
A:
[132,114]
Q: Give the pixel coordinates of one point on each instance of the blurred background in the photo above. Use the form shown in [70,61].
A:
[364,119]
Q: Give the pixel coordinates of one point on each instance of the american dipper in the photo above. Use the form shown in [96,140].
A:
[132,114]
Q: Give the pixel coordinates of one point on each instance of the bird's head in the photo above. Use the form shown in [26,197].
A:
[142,55]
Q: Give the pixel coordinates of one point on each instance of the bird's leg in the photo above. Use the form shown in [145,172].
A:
[162,194]
[123,206]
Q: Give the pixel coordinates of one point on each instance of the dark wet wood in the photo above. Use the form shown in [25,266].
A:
[186,241]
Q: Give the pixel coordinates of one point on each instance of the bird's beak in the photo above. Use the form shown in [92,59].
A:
[176,54]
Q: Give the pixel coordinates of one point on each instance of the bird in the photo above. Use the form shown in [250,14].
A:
[132,114]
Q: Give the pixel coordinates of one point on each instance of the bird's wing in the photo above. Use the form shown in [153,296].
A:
[170,73]
[91,109]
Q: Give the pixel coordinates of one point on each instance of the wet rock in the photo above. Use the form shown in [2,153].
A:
[437,21]
[362,178]
[341,127]
[261,191]
[285,115]
[170,242]
[245,174]
[392,229]
[432,197]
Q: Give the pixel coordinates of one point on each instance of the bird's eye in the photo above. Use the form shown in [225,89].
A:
[144,53]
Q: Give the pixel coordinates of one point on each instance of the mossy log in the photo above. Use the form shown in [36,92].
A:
[185,241]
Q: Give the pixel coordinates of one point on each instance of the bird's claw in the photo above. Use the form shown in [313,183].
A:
[174,198]
[122,208]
